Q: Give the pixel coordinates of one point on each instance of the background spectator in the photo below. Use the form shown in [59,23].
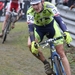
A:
[71,2]
[72,6]
[65,2]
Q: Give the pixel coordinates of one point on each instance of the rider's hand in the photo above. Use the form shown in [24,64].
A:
[34,47]
[68,38]
[72,6]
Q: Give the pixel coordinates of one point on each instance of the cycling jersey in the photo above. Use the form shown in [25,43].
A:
[45,22]
[14,4]
[44,17]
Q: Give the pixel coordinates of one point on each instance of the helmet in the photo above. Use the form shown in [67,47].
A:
[35,1]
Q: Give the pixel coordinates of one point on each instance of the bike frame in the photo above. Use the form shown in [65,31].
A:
[11,19]
[54,56]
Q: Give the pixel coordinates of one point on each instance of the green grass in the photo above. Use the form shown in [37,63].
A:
[15,57]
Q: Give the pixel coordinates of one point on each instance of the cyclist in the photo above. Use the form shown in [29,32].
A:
[43,19]
[13,4]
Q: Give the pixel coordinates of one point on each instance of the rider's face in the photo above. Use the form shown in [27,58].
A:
[37,7]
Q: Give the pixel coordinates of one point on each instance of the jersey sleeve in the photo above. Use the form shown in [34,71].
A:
[56,15]
[30,18]
[52,9]
[30,22]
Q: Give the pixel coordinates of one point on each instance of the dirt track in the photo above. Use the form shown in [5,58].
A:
[16,59]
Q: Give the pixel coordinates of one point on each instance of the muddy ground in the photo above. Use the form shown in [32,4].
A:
[16,59]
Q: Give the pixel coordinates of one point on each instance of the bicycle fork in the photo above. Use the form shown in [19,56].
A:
[52,62]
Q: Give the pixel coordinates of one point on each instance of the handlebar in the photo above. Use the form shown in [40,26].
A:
[52,40]
[14,12]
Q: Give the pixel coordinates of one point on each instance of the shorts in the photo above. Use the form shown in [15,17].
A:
[50,31]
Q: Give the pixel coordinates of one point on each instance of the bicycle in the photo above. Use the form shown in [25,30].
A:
[11,19]
[55,60]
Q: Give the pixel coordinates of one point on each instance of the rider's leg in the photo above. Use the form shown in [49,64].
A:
[4,24]
[16,8]
[6,18]
[20,15]
[65,61]
[60,50]
[42,58]
[17,18]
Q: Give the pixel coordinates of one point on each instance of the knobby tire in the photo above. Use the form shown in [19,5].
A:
[58,66]
[6,31]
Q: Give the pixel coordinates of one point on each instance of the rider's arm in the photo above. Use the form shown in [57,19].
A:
[31,32]
[60,23]
[58,19]
[30,21]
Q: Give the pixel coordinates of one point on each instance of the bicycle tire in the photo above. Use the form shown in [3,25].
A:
[6,31]
[58,66]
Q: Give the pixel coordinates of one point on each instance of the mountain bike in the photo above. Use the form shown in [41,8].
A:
[55,60]
[12,18]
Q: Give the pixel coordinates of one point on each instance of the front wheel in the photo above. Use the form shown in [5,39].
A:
[4,36]
[58,66]
[6,31]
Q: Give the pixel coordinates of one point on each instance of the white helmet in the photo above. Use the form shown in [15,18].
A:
[35,1]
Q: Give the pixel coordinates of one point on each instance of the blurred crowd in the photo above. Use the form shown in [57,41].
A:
[69,3]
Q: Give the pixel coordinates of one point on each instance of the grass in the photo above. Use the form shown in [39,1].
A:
[16,59]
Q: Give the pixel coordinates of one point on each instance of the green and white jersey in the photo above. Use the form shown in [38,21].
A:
[44,17]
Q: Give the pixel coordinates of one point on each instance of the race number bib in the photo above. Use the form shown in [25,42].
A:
[30,19]
[55,11]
